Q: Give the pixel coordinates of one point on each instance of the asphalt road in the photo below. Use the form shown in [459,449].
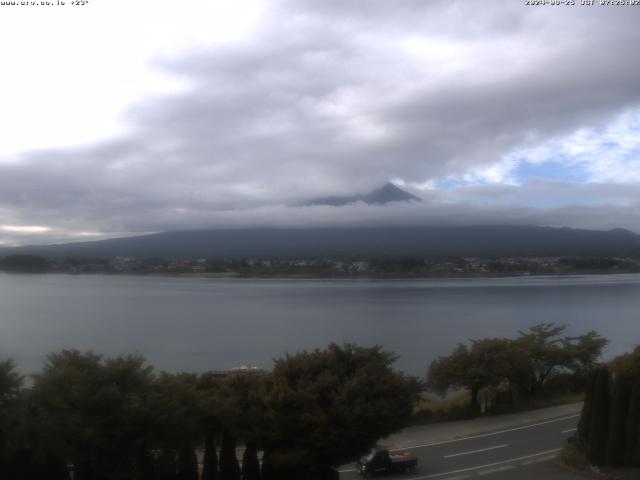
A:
[517,452]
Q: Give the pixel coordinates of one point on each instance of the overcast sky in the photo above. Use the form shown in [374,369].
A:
[121,117]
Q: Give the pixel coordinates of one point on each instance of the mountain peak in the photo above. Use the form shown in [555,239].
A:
[387,193]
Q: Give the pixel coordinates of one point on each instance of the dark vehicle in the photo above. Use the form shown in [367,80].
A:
[381,461]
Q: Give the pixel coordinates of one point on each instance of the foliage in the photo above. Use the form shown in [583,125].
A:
[250,463]
[229,467]
[574,457]
[210,459]
[621,396]
[609,428]
[632,443]
[116,419]
[527,363]
[327,407]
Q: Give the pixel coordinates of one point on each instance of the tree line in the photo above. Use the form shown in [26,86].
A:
[541,360]
[88,417]
[609,427]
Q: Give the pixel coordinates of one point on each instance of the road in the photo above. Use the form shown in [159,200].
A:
[528,447]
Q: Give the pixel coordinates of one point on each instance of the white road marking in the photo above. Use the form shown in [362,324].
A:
[569,430]
[538,460]
[488,465]
[347,470]
[476,451]
[496,470]
[459,477]
[483,435]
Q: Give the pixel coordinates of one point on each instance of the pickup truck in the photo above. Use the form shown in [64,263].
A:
[381,461]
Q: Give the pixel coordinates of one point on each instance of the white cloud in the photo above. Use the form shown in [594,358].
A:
[69,73]
[24,229]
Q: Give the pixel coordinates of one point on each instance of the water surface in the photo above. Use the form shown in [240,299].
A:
[199,324]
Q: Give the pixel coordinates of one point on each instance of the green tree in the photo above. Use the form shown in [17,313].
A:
[210,459]
[229,467]
[167,464]
[94,411]
[10,419]
[250,463]
[599,428]
[543,349]
[615,454]
[632,443]
[327,407]
[187,464]
[488,362]
[583,352]
[584,423]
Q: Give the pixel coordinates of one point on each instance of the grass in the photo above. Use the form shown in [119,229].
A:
[456,406]
[572,457]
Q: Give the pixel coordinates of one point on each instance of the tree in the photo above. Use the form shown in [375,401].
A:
[210,459]
[10,418]
[632,449]
[174,404]
[187,464]
[584,423]
[327,407]
[599,428]
[250,463]
[93,412]
[615,454]
[583,352]
[544,351]
[229,468]
[488,362]
[167,465]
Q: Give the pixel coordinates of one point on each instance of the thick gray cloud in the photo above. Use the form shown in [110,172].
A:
[337,97]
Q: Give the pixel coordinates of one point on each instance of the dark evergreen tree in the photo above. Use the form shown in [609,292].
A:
[618,420]
[267,471]
[632,450]
[187,464]
[250,463]
[167,465]
[229,468]
[210,460]
[599,428]
[587,410]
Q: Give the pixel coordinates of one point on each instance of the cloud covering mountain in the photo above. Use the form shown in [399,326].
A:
[488,113]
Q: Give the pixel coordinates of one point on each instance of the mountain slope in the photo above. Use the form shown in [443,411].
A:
[386,194]
[496,240]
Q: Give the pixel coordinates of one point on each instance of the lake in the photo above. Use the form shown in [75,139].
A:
[198,324]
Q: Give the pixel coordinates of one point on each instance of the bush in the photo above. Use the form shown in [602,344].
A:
[573,457]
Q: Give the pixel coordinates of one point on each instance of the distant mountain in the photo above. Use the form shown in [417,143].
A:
[496,240]
[386,194]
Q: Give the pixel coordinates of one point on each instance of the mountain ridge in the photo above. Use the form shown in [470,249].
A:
[479,240]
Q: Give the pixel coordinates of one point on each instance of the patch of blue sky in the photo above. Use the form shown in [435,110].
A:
[448,183]
[558,170]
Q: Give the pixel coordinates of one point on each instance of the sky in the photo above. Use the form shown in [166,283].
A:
[121,118]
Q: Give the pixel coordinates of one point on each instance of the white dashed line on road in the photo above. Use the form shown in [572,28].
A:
[496,470]
[483,435]
[569,430]
[476,451]
[538,460]
[488,465]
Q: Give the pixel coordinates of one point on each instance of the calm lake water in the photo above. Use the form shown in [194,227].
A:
[199,324]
